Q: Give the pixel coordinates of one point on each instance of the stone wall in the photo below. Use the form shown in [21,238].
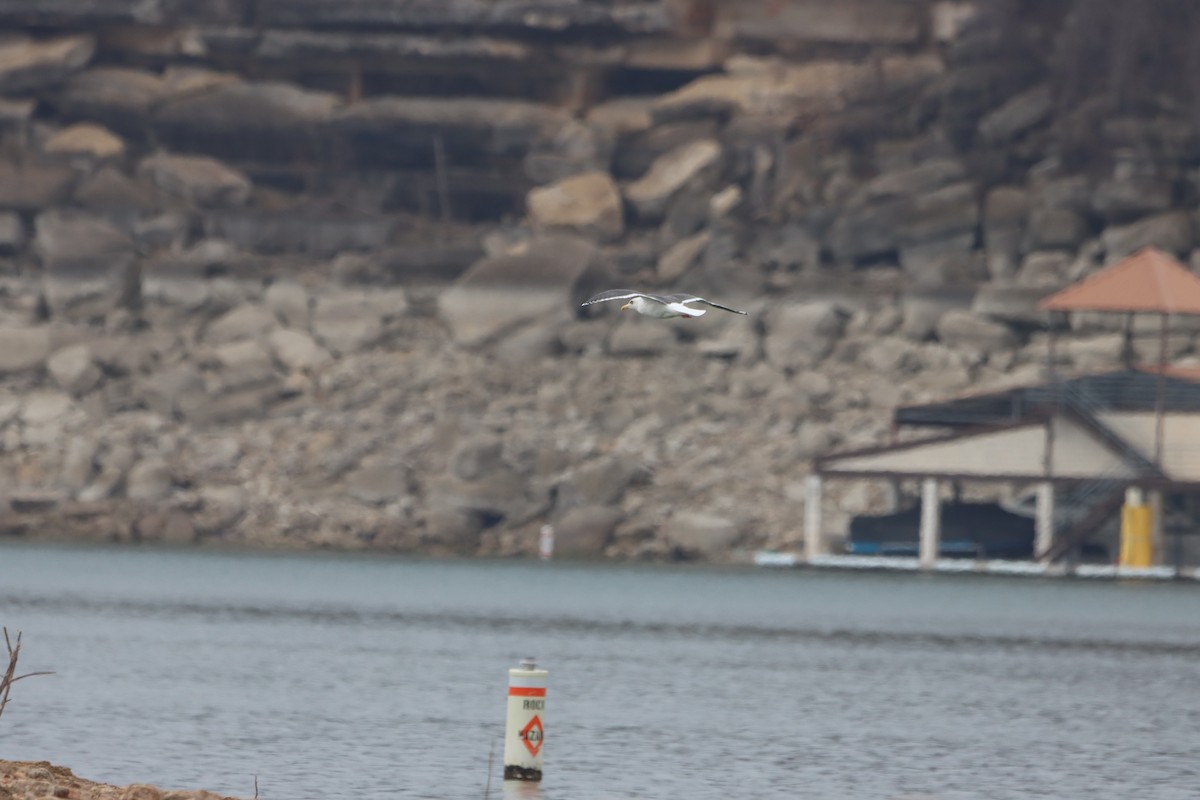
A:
[307,273]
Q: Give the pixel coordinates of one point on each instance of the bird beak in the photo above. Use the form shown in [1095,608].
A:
[627,305]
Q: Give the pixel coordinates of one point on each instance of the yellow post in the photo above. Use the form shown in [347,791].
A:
[1137,549]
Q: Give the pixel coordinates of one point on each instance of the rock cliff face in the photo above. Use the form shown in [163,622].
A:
[307,273]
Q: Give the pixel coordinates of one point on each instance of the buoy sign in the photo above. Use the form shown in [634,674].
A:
[531,734]
[525,731]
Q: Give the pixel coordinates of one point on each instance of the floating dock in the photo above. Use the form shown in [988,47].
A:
[769,558]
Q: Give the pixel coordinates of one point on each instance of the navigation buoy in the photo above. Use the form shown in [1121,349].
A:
[524,732]
[546,543]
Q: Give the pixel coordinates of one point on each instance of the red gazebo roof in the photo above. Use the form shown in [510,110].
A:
[1149,281]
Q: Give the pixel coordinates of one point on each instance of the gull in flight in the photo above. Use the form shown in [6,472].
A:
[659,306]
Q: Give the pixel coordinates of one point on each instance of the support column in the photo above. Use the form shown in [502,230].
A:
[1044,519]
[1158,545]
[814,541]
[931,523]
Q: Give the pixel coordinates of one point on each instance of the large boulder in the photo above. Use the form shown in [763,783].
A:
[864,232]
[576,149]
[890,356]
[31,65]
[242,364]
[273,122]
[1012,304]
[89,266]
[960,328]
[943,262]
[677,259]
[349,320]
[296,350]
[74,369]
[1064,228]
[126,354]
[514,17]
[910,205]
[493,499]
[220,508]
[1173,232]
[1045,269]
[1130,193]
[586,531]
[800,335]
[589,204]
[149,480]
[601,482]
[478,456]
[911,181]
[290,301]
[970,89]
[685,166]
[118,97]
[639,147]
[85,141]
[816,24]
[949,212]
[754,86]
[198,180]
[174,392]
[501,293]
[696,534]
[247,321]
[184,278]
[23,349]
[1056,190]
[377,482]
[921,310]
[231,403]
[110,192]
[33,185]
[1017,116]
[46,416]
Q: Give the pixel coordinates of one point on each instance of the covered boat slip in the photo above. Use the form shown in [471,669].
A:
[1079,455]
[1087,448]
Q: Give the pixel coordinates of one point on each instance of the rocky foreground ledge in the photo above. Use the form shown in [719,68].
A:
[36,779]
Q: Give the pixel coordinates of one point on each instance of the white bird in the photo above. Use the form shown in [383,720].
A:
[659,306]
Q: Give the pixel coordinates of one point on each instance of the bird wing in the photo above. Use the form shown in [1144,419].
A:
[619,294]
[684,299]
[686,310]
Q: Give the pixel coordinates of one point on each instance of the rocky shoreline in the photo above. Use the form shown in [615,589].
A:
[310,277]
[21,779]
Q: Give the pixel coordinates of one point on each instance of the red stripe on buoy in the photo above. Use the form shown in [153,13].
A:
[526,691]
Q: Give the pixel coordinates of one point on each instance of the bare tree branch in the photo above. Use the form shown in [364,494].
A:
[10,675]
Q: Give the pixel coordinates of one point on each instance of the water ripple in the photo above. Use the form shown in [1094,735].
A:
[501,623]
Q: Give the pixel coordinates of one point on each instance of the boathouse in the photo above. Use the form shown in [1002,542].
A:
[1075,442]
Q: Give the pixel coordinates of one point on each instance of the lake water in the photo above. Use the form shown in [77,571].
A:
[368,677]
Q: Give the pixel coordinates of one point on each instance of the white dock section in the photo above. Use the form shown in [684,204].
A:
[767,558]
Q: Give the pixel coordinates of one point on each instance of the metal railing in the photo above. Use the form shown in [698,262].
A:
[1104,498]
[1086,407]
